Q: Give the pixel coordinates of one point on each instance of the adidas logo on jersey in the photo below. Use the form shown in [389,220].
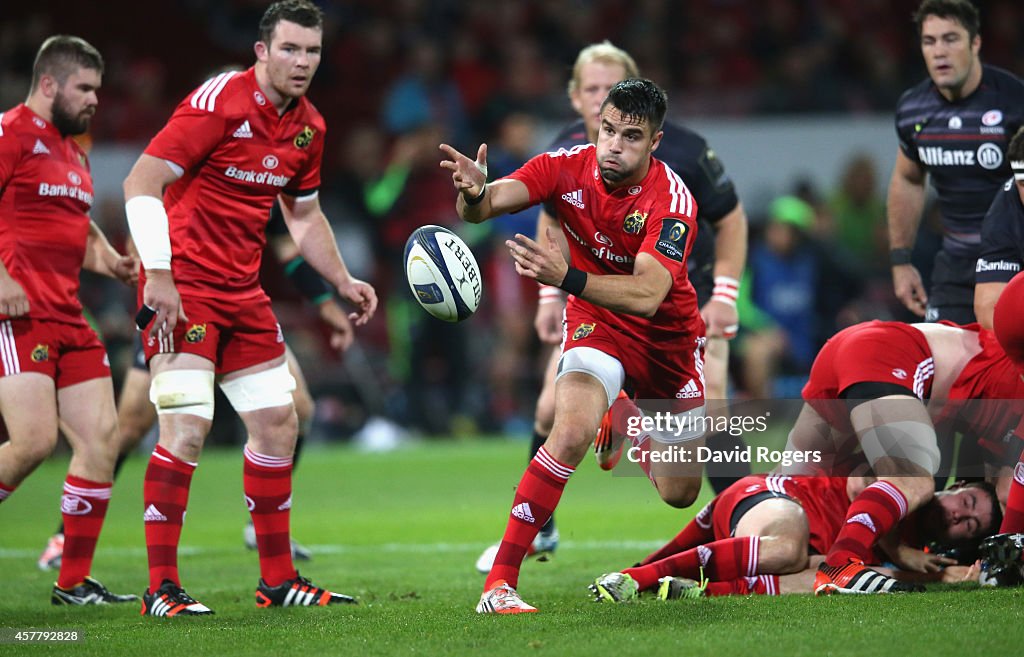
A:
[153,515]
[523,512]
[40,148]
[243,132]
[865,520]
[575,198]
[689,391]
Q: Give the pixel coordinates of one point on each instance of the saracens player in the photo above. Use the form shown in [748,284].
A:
[633,315]
[953,129]
[197,203]
[54,367]
[764,526]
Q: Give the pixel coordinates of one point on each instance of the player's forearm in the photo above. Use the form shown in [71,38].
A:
[731,244]
[985,297]
[315,239]
[629,294]
[905,204]
[100,256]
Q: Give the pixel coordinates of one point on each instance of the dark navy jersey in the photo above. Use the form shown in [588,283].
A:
[962,145]
[688,154]
[1002,238]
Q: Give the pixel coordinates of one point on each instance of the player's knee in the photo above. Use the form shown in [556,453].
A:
[569,443]
[33,452]
[679,492]
[271,388]
[791,556]
[186,392]
[305,405]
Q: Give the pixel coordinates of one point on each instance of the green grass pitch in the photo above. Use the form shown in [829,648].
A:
[401,531]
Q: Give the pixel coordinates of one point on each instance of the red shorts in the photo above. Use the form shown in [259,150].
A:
[670,371]
[233,334]
[67,353]
[871,352]
[823,499]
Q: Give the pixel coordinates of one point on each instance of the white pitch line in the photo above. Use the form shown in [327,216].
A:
[394,548]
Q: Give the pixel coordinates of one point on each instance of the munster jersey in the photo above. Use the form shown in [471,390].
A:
[606,230]
[688,154]
[235,155]
[962,145]
[45,192]
[1002,237]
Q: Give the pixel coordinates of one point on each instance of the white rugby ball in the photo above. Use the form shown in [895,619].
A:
[442,273]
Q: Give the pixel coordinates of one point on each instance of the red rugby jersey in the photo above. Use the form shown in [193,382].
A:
[45,192]
[607,229]
[237,155]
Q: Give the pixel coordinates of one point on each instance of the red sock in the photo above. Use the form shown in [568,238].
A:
[1013,518]
[697,532]
[267,481]
[722,560]
[536,498]
[5,491]
[873,513]
[164,498]
[83,507]
[760,585]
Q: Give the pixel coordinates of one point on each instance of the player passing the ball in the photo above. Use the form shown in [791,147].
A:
[633,319]
[197,202]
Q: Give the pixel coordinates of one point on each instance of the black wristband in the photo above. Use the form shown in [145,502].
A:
[310,284]
[476,199]
[900,256]
[574,281]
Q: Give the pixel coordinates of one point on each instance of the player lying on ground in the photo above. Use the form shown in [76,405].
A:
[766,526]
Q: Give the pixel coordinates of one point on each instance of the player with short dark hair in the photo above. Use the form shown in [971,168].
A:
[783,521]
[714,265]
[1002,237]
[197,202]
[632,318]
[54,368]
[953,129]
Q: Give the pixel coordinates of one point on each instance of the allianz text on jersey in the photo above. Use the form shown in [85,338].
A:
[988,155]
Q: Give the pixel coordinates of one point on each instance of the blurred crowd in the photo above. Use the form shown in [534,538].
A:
[400,76]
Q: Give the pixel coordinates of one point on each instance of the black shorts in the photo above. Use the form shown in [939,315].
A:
[700,266]
[952,295]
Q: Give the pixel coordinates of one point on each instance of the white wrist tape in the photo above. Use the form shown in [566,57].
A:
[550,294]
[147,220]
[726,290]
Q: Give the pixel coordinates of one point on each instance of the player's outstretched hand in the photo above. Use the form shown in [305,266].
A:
[362,296]
[13,301]
[161,295]
[920,561]
[544,264]
[341,327]
[906,282]
[469,177]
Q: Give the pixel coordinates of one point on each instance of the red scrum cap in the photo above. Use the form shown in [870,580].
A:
[1008,320]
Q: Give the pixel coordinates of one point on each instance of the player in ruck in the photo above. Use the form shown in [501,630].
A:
[783,520]
[197,203]
[632,318]
[715,264]
[55,370]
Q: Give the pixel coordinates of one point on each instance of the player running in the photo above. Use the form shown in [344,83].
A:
[632,318]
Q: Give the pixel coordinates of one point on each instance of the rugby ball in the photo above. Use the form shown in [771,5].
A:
[442,273]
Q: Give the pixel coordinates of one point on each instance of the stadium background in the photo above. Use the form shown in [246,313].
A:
[789,94]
